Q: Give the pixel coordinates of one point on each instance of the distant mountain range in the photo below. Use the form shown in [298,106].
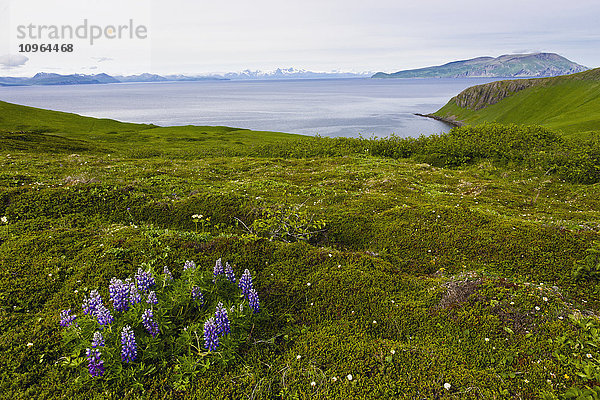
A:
[535,65]
[44,78]
[291,73]
[507,66]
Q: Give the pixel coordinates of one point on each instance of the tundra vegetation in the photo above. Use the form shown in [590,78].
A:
[462,266]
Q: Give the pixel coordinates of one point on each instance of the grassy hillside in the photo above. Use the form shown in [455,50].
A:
[568,103]
[442,267]
[21,123]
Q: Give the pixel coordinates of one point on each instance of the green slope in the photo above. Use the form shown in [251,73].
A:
[15,117]
[54,130]
[567,103]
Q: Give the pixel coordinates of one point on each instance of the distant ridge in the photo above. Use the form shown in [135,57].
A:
[535,65]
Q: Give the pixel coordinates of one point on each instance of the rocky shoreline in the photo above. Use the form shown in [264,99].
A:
[448,120]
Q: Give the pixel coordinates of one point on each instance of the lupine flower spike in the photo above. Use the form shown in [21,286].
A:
[119,294]
[168,275]
[149,323]
[253,300]
[92,305]
[134,294]
[229,272]
[66,319]
[222,320]
[91,302]
[128,346]
[189,265]
[144,280]
[152,298]
[103,315]
[245,282]
[95,362]
[197,295]
[98,340]
[211,340]
[218,270]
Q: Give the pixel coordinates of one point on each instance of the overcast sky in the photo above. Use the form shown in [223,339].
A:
[197,37]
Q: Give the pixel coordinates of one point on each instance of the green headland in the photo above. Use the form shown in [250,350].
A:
[455,266]
[567,103]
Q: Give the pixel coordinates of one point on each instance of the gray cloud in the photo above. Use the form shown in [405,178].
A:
[12,61]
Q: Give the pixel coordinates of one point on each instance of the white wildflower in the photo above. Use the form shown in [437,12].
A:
[349,377]
[4,220]
[588,355]
[29,344]
[447,386]
[393,351]
[487,339]
[298,357]
[313,384]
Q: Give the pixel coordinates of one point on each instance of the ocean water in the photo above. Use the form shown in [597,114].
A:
[328,107]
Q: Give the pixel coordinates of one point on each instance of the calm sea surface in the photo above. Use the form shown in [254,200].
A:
[328,107]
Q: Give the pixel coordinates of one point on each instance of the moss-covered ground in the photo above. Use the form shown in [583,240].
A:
[422,276]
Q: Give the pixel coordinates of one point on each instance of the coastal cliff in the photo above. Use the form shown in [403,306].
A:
[569,102]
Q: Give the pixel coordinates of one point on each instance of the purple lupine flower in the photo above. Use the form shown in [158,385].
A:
[149,323]
[218,270]
[168,275]
[222,320]
[245,282]
[211,340]
[98,340]
[229,272]
[66,319]
[134,294]
[197,294]
[144,280]
[152,298]
[95,362]
[119,294]
[253,300]
[93,306]
[91,302]
[189,265]
[129,348]
[103,316]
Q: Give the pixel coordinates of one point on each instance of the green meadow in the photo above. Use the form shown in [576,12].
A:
[456,266]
